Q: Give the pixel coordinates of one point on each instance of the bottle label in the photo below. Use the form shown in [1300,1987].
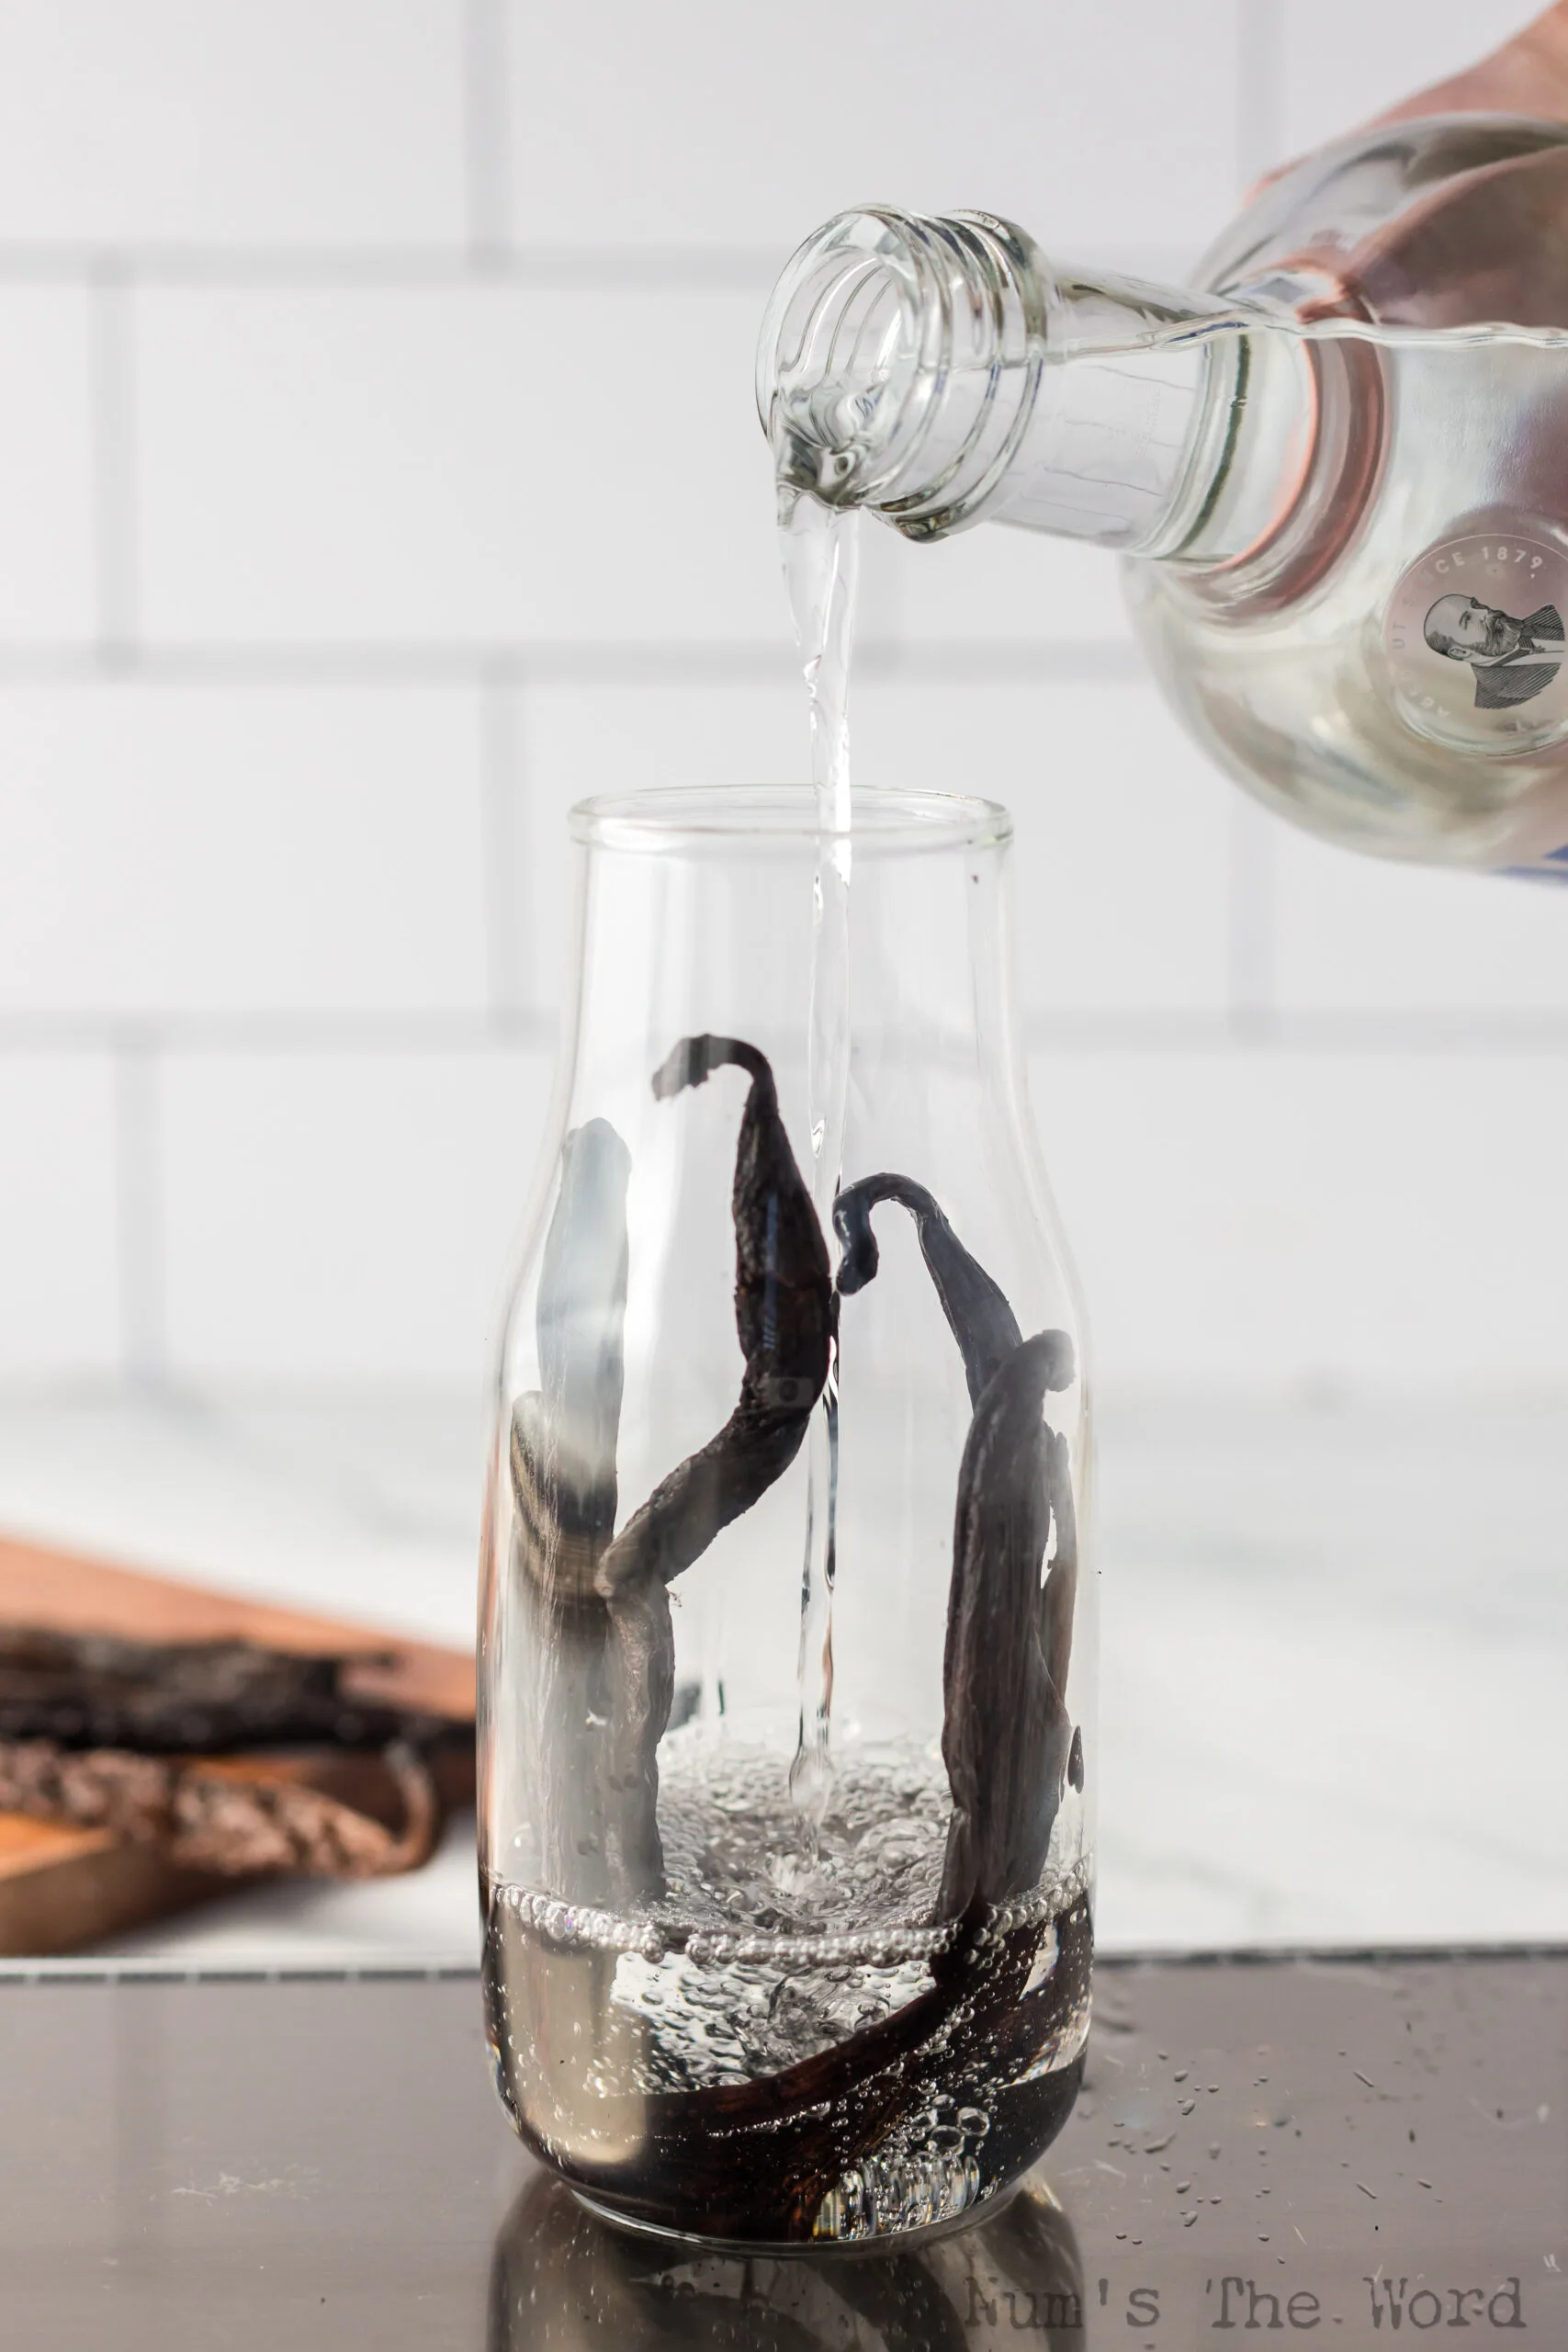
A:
[1476,637]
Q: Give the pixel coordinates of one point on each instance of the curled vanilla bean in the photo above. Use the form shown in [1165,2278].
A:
[1008,1741]
[977,1312]
[785,1314]
[564,1434]
[1006,1732]
[562,1460]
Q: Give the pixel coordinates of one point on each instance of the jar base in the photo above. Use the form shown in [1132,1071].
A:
[886,2242]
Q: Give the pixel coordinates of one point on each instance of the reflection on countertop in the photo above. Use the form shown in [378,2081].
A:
[563,2281]
[320,2161]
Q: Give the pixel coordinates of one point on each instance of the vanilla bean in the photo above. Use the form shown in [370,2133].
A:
[757,2159]
[597,1634]
[564,1433]
[237,1817]
[1007,1739]
[977,1309]
[87,1691]
[1059,1601]
[562,1459]
[1006,1733]
[785,1314]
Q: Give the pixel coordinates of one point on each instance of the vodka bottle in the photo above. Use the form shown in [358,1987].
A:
[1335,467]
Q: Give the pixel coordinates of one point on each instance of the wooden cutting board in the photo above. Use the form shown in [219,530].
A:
[62,1890]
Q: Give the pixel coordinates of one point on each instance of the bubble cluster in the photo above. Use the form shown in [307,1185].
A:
[768,1948]
[884,2194]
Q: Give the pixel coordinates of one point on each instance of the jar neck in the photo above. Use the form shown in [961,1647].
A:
[700,918]
[941,372]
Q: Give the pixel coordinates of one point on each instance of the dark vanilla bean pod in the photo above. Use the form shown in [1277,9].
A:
[784,1315]
[580,1322]
[564,1434]
[641,1686]
[976,1307]
[563,1450]
[1006,1737]
[105,1690]
[1006,1733]
[772,2149]
[237,1817]
[785,1312]
[1062,1584]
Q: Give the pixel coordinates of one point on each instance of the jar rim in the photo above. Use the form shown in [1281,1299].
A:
[884,822]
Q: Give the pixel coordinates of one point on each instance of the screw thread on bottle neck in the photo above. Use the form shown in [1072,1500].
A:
[898,362]
[940,370]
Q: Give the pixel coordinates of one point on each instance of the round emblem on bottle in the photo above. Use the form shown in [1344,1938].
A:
[1474,637]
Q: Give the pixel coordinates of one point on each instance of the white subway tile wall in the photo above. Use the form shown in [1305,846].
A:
[998,589]
[60,1304]
[450,465]
[1321,1215]
[574,739]
[1352,935]
[50,587]
[1120,879]
[340,1214]
[642,128]
[187,851]
[378,474]
[225,124]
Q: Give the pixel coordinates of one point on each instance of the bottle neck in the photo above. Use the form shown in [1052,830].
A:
[941,372]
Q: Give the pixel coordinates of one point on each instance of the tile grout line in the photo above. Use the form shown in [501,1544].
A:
[140,1209]
[111,392]
[487,146]
[698,661]
[485,256]
[324,1031]
[1435,1033]
[525,1028]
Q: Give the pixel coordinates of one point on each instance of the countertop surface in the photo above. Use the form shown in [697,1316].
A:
[1329,2150]
[1335,1645]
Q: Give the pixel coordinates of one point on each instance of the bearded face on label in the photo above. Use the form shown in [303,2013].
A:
[1512,657]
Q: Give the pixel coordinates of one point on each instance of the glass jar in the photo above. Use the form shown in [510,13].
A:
[787,1626]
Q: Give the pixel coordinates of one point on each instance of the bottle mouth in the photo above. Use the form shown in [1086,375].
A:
[761,819]
[840,355]
[897,361]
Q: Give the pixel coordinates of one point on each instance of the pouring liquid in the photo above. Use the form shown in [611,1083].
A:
[822,545]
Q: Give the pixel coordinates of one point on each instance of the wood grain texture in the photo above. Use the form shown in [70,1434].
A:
[62,1890]
[42,1587]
